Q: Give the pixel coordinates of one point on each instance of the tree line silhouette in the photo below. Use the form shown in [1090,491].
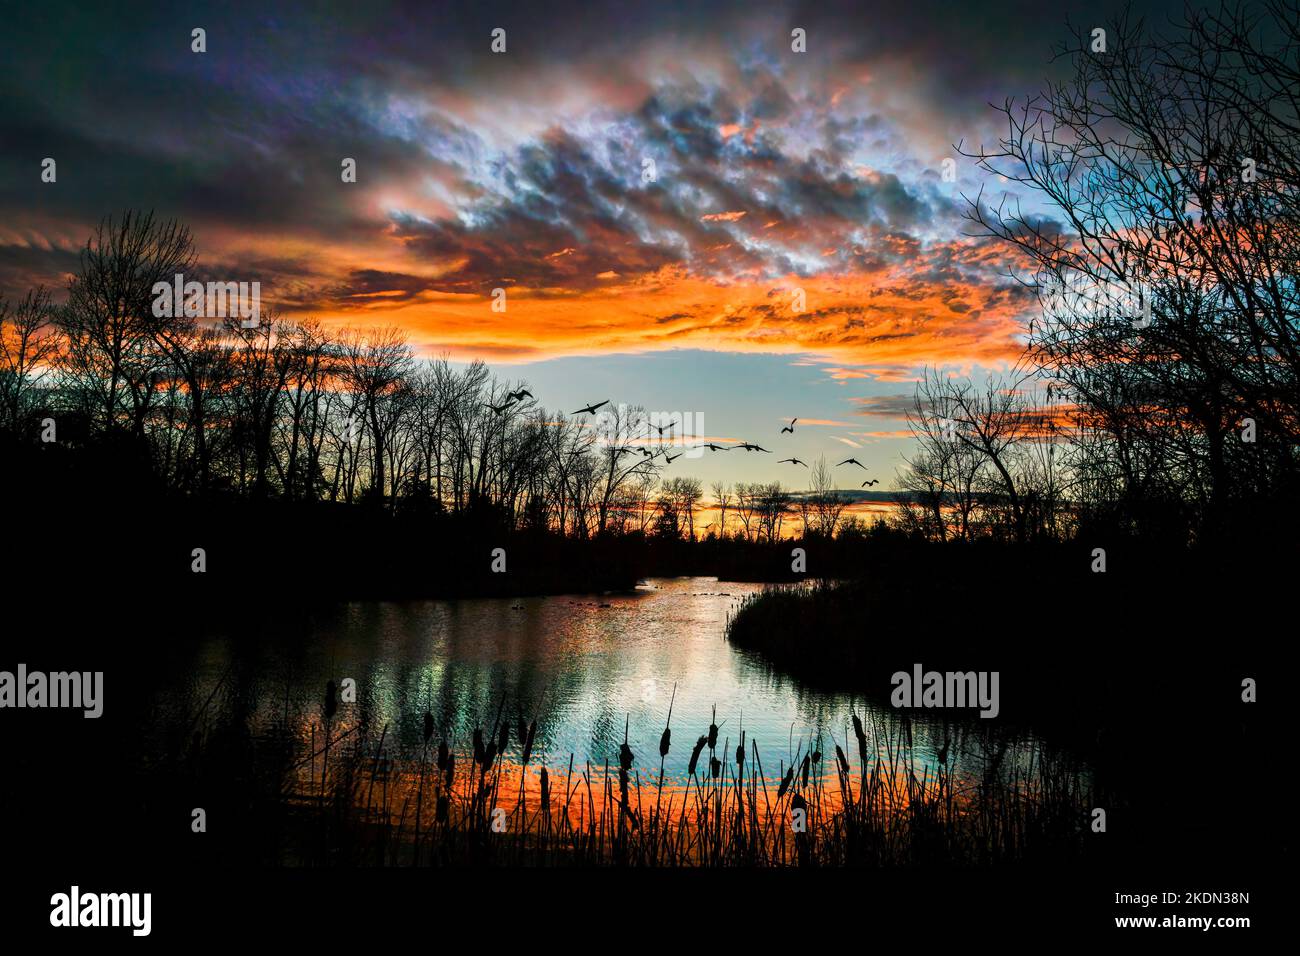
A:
[217,430]
[290,410]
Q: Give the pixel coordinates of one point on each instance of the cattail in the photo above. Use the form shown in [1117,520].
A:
[489,755]
[740,751]
[799,804]
[443,755]
[546,791]
[713,736]
[862,739]
[528,740]
[428,726]
[331,699]
[451,768]
[695,755]
[478,746]
[625,756]
[843,761]
[667,734]
[715,767]
[804,771]
[785,783]
[817,756]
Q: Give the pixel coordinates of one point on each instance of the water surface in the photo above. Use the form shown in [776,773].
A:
[587,668]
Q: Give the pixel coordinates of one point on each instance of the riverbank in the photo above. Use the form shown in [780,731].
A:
[1137,672]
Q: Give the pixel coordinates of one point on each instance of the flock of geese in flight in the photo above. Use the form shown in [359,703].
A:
[512,397]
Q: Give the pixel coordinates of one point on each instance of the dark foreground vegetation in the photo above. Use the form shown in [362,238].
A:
[868,798]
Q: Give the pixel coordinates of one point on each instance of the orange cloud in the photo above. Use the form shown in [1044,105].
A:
[878,320]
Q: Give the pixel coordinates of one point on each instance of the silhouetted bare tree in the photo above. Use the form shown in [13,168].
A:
[1168,276]
[26,349]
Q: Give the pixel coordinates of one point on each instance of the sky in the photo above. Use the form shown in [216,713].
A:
[683,212]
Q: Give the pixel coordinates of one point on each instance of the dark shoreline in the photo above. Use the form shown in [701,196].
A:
[1136,686]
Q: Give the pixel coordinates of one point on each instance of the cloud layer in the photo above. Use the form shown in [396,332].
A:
[634,177]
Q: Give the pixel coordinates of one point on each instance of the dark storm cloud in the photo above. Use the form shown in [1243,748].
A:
[887,406]
[567,216]
[24,267]
[248,137]
[961,55]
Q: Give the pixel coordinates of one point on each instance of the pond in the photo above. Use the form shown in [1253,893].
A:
[587,668]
